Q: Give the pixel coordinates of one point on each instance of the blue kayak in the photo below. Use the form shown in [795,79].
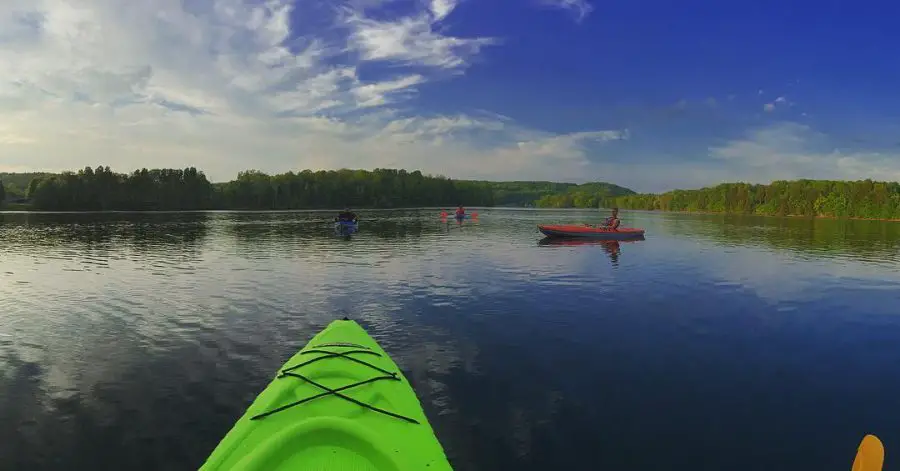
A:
[346,227]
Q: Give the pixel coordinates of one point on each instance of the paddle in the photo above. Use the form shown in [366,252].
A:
[869,455]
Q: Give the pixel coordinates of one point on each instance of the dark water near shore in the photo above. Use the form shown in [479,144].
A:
[724,343]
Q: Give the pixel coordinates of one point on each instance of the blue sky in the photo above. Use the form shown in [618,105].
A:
[648,94]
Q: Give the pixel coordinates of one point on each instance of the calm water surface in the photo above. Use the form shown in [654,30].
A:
[740,343]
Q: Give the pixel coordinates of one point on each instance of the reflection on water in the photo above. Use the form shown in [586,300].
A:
[611,247]
[134,341]
[874,241]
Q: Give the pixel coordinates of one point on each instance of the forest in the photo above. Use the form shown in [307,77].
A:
[15,185]
[100,189]
[825,198]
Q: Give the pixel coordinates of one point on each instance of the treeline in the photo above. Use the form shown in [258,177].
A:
[101,189]
[588,195]
[843,199]
[381,188]
[15,185]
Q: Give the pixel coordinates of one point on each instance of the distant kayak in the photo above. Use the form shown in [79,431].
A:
[459,216]
[340,403]
[589,232]
[346,227]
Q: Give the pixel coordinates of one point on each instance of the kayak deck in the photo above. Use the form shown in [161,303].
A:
[574,231]
[346,227]
[340,403]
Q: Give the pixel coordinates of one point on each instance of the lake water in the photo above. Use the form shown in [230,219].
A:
[723,343]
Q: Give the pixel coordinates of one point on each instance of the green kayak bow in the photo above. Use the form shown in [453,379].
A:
[340,403]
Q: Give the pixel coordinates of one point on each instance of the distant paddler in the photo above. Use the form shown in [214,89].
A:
[459,214]
[347,216]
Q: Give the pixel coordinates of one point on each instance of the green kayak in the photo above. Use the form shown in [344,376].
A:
[340,403]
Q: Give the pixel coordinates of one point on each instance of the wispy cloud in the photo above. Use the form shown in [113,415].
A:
[231,84]
[781,151]
[778,102]
[412,40]
[440,9]
[790,150]
[580,9]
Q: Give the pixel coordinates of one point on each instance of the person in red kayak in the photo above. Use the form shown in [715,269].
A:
[460,212]
[612,222]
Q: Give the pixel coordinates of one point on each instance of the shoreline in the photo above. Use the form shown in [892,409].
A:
[29,209]
[791,216]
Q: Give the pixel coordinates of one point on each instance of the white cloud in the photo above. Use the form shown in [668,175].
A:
[791,150]
[412,40]
[580,9]
[781,151]
[441,8]
[233,84]
[778,102]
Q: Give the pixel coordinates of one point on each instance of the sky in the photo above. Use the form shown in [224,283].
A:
[649,94]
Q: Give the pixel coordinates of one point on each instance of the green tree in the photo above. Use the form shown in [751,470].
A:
[176,189]
[810,198]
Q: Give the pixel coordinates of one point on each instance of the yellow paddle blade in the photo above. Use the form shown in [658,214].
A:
[869,455]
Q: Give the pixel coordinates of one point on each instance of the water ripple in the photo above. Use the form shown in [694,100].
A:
[135,340]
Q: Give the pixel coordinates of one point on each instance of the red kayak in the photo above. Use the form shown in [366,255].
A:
[589,232]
